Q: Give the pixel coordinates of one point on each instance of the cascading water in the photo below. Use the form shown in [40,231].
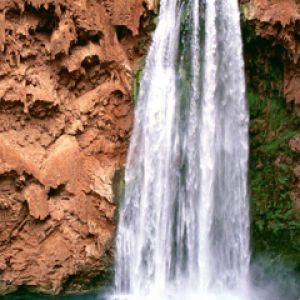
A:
[183,227]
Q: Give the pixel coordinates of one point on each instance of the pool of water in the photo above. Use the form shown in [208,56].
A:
[270,281]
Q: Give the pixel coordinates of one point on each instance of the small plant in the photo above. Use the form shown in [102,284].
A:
[137,77]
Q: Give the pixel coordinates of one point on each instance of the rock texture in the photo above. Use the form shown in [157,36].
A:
[271,31]
[294,144]
[66,72]
[279,21]
[66,69]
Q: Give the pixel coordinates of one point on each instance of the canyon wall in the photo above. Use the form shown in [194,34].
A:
[66,70]
[278,21]
[271,31]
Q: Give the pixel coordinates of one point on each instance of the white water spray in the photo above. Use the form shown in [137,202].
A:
[184,228]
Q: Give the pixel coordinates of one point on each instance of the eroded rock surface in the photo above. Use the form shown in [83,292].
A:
[279,21]
[274,57]
[66,72]
[271,46]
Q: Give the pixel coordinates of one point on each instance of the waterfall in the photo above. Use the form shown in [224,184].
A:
[184,227]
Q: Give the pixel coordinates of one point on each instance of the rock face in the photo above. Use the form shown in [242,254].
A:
[279,21]
[271,31]
[66,69]
[66,72]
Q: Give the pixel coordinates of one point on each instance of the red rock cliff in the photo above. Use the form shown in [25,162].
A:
[66,70]
[65,117]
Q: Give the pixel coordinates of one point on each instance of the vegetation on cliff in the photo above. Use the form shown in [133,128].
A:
[274,124]
[32,130]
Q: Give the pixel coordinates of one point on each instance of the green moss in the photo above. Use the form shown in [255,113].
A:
[137,77]
[119,186]
[275,222]
[275,225]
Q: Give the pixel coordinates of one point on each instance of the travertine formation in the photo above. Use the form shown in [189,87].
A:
[66,70]
[279,21]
